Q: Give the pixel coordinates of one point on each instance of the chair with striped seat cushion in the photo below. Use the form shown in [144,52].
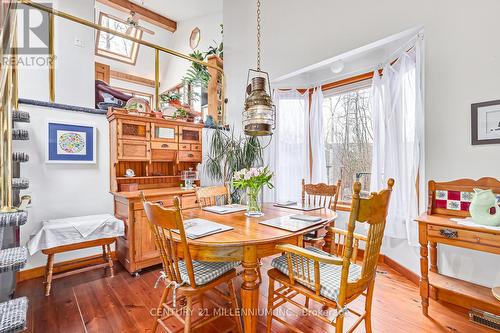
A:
[205,272]
[189,278]
[329,274]
[330,280]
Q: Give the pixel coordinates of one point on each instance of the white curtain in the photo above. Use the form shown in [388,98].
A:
[398,118]
[287,155]
[317,137]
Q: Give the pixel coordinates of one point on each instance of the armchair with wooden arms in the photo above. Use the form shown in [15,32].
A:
[187,279]
[330,280]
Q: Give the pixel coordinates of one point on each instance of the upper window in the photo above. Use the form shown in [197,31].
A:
[348,136]
[115,47]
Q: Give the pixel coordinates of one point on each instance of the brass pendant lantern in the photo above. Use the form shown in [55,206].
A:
[260,113]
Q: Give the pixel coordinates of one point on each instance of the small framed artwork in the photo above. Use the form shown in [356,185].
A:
[70,143]
[485,122]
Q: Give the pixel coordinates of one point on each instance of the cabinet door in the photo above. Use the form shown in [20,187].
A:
[133,130]
[145,242]
[164,133]
[133,150]
[189,134]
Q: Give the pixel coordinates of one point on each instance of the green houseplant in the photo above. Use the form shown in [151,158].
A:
[229,154]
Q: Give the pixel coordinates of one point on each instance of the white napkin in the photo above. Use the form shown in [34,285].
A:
[469,222]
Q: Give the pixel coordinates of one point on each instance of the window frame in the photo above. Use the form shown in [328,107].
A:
[113,55]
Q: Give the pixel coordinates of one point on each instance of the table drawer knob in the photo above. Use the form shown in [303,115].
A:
[448,233]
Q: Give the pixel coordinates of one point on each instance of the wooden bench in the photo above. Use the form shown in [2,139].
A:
[105,243]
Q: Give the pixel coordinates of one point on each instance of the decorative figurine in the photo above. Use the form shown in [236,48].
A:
[484,208]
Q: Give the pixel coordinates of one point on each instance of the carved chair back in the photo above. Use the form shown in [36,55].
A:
[321,194]
[163,221]
[454,197]
[339,238]
[213,195]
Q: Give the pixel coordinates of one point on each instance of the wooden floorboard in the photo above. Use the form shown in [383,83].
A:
[94,302]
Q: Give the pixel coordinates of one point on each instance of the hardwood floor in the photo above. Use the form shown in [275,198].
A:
[89,302]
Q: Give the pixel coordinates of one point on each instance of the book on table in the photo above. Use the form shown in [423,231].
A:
[294,222]
[197,228]
[225,209]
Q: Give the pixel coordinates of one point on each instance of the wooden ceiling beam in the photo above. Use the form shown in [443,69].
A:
[144,13]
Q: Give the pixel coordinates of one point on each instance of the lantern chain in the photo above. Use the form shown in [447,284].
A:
[258,35]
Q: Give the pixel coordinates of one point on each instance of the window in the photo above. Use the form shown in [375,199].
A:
[133,93]
[348,135]
[115,47]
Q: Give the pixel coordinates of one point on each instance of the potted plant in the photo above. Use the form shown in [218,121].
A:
[172,98]
[252,180]
[180,114]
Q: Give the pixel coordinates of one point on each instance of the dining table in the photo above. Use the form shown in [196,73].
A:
[247,242]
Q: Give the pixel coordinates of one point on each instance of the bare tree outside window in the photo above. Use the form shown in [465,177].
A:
[348,138]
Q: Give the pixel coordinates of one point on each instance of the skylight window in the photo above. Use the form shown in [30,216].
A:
[115,47]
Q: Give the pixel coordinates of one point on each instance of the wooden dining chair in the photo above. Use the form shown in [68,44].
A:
[213,195]
[187,279]
[322,195]
[328,279]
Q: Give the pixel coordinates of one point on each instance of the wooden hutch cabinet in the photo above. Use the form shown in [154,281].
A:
[157,150]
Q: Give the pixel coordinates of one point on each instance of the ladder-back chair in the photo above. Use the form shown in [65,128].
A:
[330,280]
[322,195]
[213,195]
[186,278]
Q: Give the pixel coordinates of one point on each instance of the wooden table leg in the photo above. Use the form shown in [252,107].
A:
[109,259]
[433,255]
[327,247]
[424,268]
[250,289]
[49,269]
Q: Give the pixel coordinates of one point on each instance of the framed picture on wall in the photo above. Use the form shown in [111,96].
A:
[70,143]
[485,121]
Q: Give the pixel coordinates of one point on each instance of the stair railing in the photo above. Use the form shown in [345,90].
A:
[8,97]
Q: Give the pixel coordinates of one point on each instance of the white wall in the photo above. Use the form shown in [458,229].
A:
[462,67]
[209,26]
[63,190]
[74,65]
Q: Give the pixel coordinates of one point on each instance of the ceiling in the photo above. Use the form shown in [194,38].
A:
[357,61]
[180,10]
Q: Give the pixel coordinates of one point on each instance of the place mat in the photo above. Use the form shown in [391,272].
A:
[291,224]
[197,228]
[225,209]
[296,206]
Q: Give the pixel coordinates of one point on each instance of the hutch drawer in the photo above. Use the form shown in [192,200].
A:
[163,155]
[189,202]
[184,146]
[189,156]
[196,147]
[163,145]
[133,150]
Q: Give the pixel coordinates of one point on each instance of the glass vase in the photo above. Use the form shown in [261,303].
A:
[254,208]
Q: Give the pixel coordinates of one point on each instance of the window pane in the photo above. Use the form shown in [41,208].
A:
[116,47]
[348,138]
